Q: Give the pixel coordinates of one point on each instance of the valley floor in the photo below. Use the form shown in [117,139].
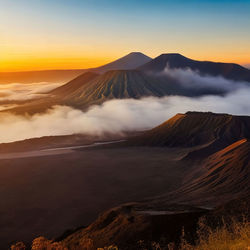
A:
[46,195]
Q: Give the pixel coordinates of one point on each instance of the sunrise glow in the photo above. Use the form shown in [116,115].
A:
[64,34]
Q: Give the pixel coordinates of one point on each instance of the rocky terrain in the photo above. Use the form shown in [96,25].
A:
[178,185]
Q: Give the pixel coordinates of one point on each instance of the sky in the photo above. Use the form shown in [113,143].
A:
[64,34]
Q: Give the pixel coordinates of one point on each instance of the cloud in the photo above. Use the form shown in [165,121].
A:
[190,79]
[246,66]
[116,116]
[22,92]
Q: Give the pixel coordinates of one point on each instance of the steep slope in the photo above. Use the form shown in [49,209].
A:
[227,70]
[196,128]
[130,61]
[216,179]
[226,171]
[74,84]
[118,84]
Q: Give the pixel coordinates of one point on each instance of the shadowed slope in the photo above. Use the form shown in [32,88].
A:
[219,178]
[227,171]
[227,70]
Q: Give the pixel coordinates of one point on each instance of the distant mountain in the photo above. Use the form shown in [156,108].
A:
[195,129]
[130,61]
[117,80]
[134,60]
[90,88]
[227,70]
[117,84]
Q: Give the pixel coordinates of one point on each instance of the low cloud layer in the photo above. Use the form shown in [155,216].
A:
[191,79]
[21,92]
[116,116]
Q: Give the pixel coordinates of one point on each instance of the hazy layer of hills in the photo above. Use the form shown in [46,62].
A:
[134,60]
[127,80]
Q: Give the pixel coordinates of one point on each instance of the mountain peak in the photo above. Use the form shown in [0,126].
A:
[172,55]
[137,53]
[130,61]
[175,60]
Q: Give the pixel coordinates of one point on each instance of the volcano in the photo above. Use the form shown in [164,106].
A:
[197,128]
[177,61]
[91,88]
[117,84]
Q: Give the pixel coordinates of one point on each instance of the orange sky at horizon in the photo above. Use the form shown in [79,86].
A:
[60,34]
[32,63]
[37,64]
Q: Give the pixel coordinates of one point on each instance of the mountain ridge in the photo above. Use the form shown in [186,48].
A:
[196,129]
[175,60]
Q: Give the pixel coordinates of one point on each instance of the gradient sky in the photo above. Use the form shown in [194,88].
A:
[54,34]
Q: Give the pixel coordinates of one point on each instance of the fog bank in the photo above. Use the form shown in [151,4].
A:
[22,92]
[116,116]
[191,79]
